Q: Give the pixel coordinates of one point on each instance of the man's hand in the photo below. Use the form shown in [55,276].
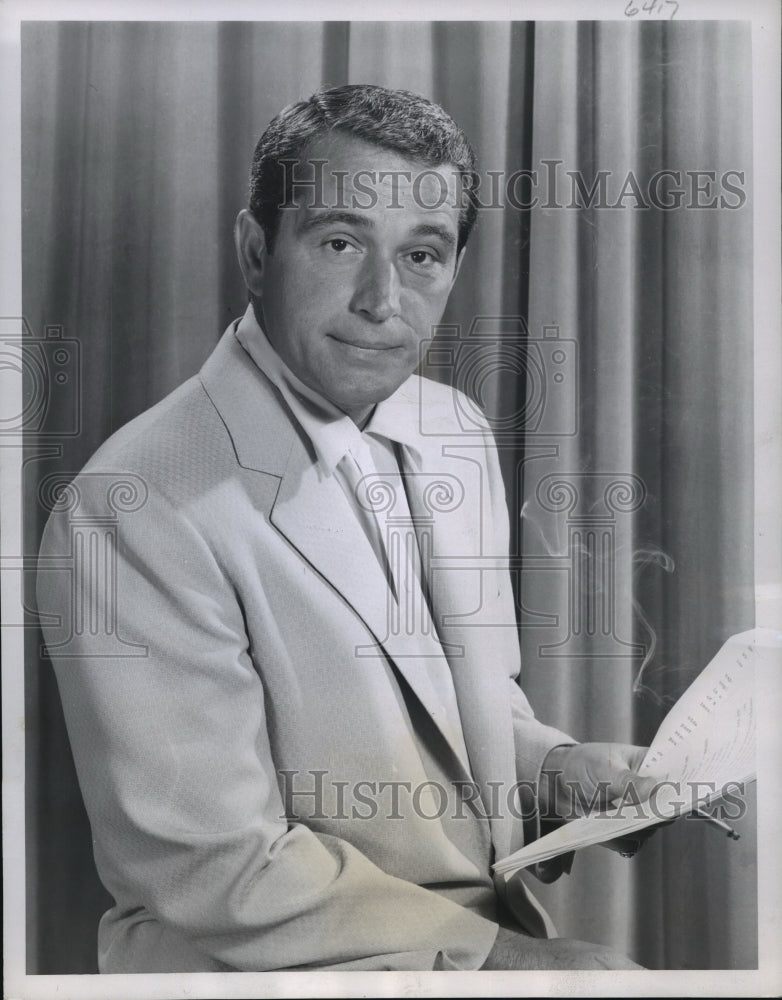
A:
[513,950]
[589,776]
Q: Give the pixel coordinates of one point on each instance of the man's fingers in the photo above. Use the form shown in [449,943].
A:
[631,787]
[637,758]
[594,775]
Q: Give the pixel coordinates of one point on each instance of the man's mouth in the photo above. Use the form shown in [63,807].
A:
[370,346]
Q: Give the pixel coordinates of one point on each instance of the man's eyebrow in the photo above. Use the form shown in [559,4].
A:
[324,219]
[429,229]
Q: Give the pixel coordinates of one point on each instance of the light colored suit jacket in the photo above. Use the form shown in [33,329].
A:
[219,627]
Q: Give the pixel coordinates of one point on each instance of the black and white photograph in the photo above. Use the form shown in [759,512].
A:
[391,560]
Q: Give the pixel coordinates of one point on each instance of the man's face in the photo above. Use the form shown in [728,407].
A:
[349,292]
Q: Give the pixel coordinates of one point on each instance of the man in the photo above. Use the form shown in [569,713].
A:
[293,705]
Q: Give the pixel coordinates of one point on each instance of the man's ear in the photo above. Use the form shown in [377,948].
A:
[250,249]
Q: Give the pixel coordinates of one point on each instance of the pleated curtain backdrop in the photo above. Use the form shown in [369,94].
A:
[658,473]
[137,139]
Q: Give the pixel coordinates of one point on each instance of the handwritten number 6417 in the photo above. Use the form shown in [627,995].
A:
[651,6]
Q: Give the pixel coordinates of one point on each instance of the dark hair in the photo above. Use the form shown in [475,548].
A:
[393,119]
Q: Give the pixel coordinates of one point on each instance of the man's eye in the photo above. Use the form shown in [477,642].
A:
[338,245]
[422,257]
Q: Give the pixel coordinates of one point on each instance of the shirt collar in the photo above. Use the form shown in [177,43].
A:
[397,418]
[331,432]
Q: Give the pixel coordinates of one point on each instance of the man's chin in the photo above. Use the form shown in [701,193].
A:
[360,405]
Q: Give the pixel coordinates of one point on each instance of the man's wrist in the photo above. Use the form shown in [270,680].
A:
[556,758]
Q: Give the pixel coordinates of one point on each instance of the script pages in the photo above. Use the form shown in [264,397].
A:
[705,745]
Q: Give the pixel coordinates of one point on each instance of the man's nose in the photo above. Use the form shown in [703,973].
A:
[377,293]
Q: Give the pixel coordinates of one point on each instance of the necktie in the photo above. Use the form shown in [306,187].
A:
[360,484]
[380,499]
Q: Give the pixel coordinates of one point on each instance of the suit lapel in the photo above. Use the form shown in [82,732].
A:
[310,510]
[314,514]
[249,406]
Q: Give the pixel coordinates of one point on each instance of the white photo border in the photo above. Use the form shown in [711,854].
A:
[764,16]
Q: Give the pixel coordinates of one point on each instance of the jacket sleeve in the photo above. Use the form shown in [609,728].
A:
[168,727]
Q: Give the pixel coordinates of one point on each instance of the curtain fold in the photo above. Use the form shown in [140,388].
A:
[628,480]
[649,499]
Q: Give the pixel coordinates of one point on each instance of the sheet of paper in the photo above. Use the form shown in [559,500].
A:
[709,734]
[705,742]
